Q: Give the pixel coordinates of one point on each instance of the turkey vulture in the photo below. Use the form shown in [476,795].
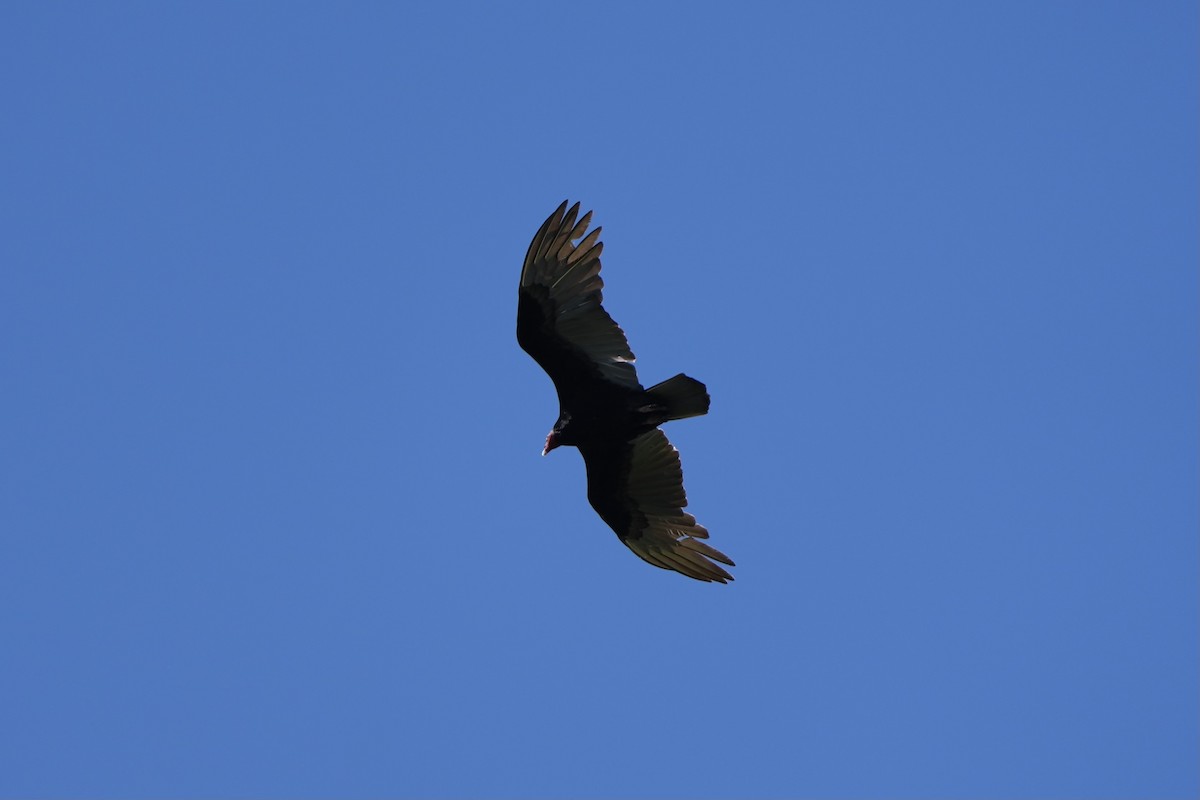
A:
[635,482]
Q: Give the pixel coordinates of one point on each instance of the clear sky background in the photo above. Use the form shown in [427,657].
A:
[273,517]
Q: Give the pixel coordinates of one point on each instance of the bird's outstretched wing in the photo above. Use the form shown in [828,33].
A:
[637,488]
[559,318]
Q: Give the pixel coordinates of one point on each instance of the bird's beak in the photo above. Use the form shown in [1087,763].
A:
[551,442]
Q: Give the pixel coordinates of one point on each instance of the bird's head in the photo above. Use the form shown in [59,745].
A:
[556,434]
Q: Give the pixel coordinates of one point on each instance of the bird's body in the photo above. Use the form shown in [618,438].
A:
[635,482]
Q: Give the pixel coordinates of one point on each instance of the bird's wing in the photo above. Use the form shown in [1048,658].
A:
[637,488]
[559,318]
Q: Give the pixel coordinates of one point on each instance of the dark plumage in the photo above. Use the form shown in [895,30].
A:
[635,481]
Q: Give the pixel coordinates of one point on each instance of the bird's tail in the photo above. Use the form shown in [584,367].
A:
[680,397]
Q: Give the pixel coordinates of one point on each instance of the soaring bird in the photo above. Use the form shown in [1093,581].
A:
[635,481]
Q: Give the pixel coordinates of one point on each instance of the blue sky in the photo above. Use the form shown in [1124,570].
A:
[274,520]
